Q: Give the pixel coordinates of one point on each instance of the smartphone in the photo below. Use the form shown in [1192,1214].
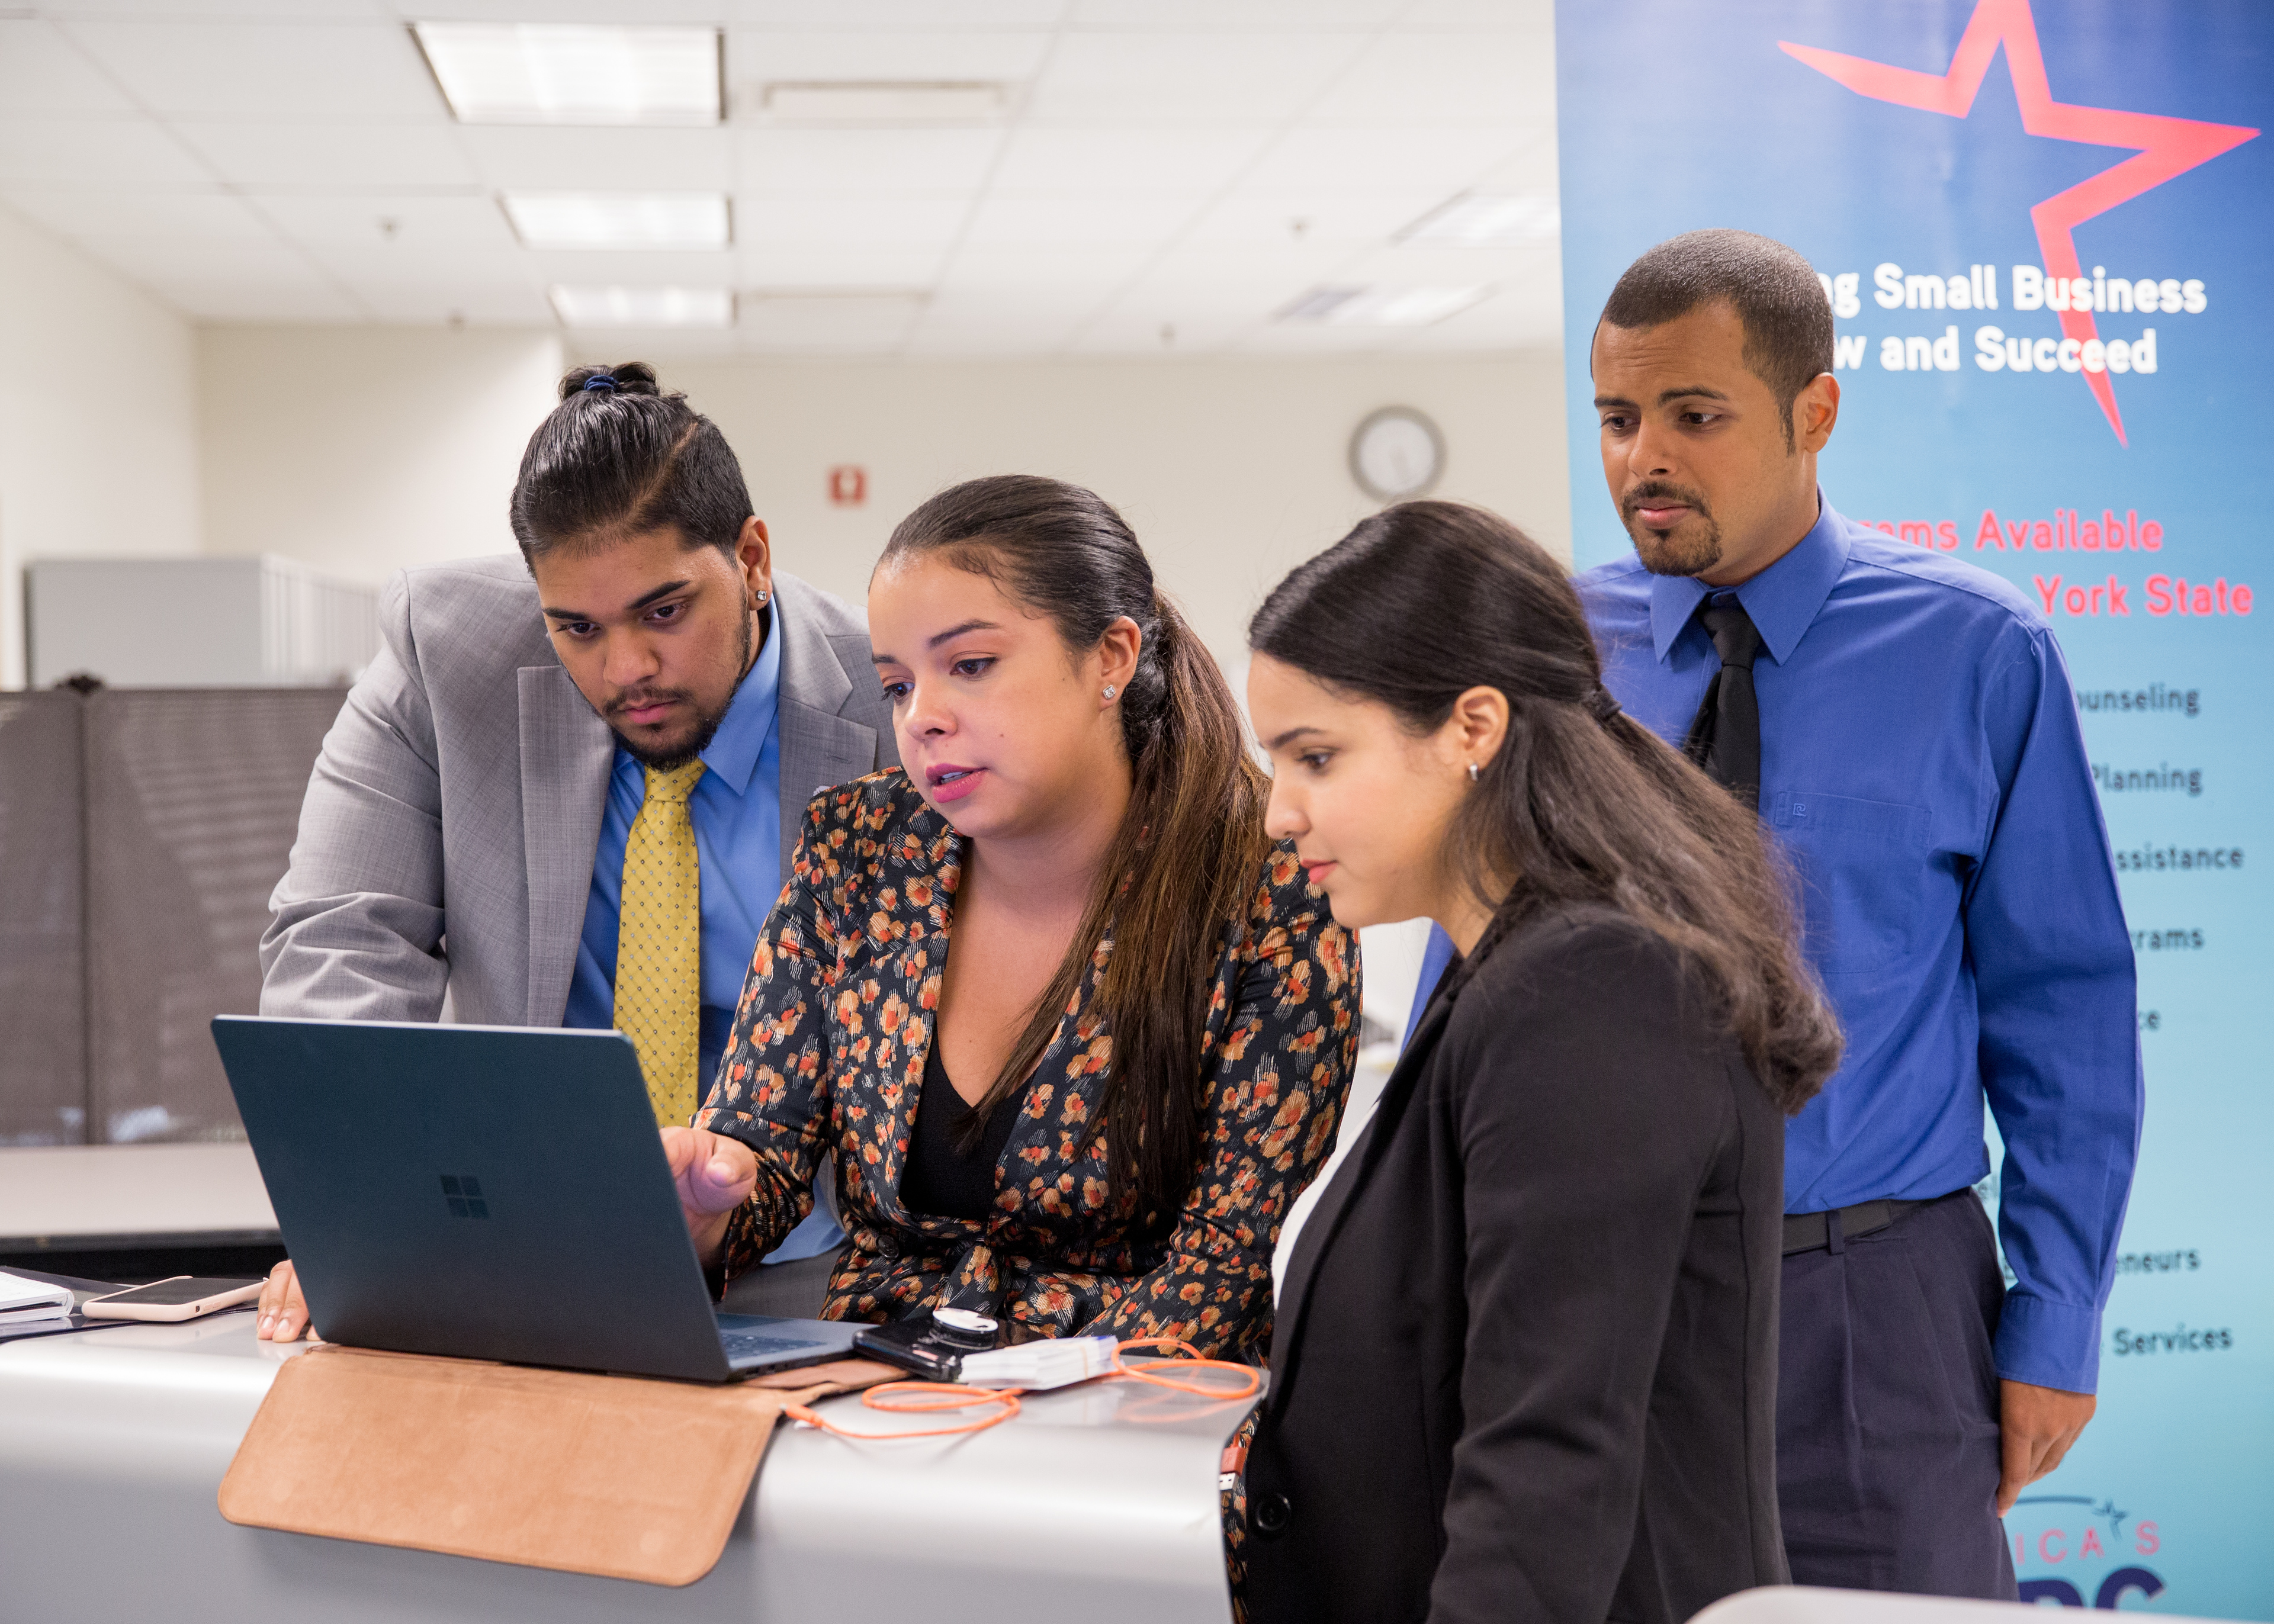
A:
[932,1345]
[184,1296]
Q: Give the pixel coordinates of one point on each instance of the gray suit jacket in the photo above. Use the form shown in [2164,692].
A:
[446,846]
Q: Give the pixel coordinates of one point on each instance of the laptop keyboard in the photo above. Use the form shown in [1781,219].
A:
[753,1345]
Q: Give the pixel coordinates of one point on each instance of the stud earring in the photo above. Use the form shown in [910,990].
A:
[1110,690]
[1473,773]
[763,594]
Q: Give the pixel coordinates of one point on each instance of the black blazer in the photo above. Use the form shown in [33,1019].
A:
[1525,1361]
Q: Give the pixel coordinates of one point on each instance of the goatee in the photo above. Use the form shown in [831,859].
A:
[1660,551]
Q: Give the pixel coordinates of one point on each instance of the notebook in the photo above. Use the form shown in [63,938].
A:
[23,1301]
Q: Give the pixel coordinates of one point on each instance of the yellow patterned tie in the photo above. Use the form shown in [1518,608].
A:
[659,945]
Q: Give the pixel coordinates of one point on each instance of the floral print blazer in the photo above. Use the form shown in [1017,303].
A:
[827,1059]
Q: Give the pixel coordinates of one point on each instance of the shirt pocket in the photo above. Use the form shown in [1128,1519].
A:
[1863,871]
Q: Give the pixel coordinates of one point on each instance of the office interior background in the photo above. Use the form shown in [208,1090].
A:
[289,284]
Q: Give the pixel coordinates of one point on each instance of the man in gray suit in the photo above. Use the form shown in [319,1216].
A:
[639,696]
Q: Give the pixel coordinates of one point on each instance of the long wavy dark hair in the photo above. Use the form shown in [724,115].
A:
[1581,804]
[1174,881]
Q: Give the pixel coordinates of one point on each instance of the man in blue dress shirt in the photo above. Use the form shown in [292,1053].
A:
[1903,721]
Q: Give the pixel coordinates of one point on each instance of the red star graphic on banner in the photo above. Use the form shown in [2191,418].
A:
[2163,148]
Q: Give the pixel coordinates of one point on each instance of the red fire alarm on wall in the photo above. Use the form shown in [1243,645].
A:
[848,486]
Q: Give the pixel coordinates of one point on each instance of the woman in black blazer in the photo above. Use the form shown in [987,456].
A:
[1526,1355]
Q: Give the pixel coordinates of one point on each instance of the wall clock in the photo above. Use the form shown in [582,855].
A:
[1396,454]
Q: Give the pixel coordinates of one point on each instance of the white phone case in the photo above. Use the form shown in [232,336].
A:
[110,1308]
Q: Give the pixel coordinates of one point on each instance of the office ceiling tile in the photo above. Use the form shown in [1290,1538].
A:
[227,280]
[848,222]
[604,268]
[135,155]
[1154,79]
[429,223]
[524,158]
[269,71]
[263,10]
[1069,221]
[1277,17]
[758,58]
[455,297]
[1127,160]
[331,157]
[901,16]
[232,297]
[42,71]
[828,323]
[1449,78]
[376,264]
[851,163]
[1527,170]
[1406,159]
[1320,218]
[716,13]
[792,264]
[184,216]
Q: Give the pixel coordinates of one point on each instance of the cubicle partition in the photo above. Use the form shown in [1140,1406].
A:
[141,831]
[42,919]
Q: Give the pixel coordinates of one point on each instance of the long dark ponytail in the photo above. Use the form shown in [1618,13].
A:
[1174,880]
[1427,600]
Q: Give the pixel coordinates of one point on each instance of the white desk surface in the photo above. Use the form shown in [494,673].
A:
[118,1193]
[1098,1503]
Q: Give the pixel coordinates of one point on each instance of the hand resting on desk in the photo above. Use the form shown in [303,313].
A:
[715,1174]
[284,1312]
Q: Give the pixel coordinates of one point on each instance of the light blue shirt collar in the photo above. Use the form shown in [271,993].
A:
[732,756]
[1782,599]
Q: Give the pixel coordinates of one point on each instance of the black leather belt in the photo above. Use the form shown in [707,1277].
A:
[1813,1231]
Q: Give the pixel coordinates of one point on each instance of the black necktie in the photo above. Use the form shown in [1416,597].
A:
[1726,737]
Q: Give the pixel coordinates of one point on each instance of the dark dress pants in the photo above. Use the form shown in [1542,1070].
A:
[1887,1449]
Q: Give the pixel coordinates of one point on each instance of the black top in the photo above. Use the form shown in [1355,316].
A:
[937,1177]
[1526,1363]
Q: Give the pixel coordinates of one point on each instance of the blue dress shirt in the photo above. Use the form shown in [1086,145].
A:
[737,811]
[1922,766]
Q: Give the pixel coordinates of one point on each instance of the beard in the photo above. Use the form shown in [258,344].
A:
[665,756]
[1691,548]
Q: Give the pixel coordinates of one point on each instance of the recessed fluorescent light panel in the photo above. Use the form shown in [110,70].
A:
[551,73]
[1382,307]
[885,101]
[1486,222]
[644,307]
[614,220]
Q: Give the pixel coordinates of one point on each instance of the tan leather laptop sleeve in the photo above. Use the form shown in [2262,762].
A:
[615,1476]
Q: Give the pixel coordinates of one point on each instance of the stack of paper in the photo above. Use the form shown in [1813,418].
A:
[23,1301]
[1036,1366]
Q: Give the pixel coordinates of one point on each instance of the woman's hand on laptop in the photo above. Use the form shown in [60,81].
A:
[715,1174]
[283,1313]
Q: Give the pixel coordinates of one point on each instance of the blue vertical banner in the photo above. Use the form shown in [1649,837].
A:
[2047,233]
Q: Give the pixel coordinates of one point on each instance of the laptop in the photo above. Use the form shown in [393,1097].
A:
[488,1192]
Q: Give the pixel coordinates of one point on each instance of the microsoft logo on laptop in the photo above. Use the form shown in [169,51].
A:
[464,1196]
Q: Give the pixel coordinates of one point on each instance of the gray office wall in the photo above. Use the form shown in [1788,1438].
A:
[187,801]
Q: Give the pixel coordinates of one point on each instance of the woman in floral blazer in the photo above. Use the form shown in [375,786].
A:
[1016,1121]
[827,1060]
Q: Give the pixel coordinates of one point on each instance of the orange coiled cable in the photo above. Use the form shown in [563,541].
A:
[935,1397]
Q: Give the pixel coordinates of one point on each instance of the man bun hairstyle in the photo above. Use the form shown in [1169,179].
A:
[1176,879]
[1581,804]
[618,457]
[1787,318]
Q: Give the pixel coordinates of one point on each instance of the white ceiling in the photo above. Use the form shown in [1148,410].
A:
[1169,175]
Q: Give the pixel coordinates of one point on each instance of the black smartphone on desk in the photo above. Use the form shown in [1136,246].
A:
[931,1344]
